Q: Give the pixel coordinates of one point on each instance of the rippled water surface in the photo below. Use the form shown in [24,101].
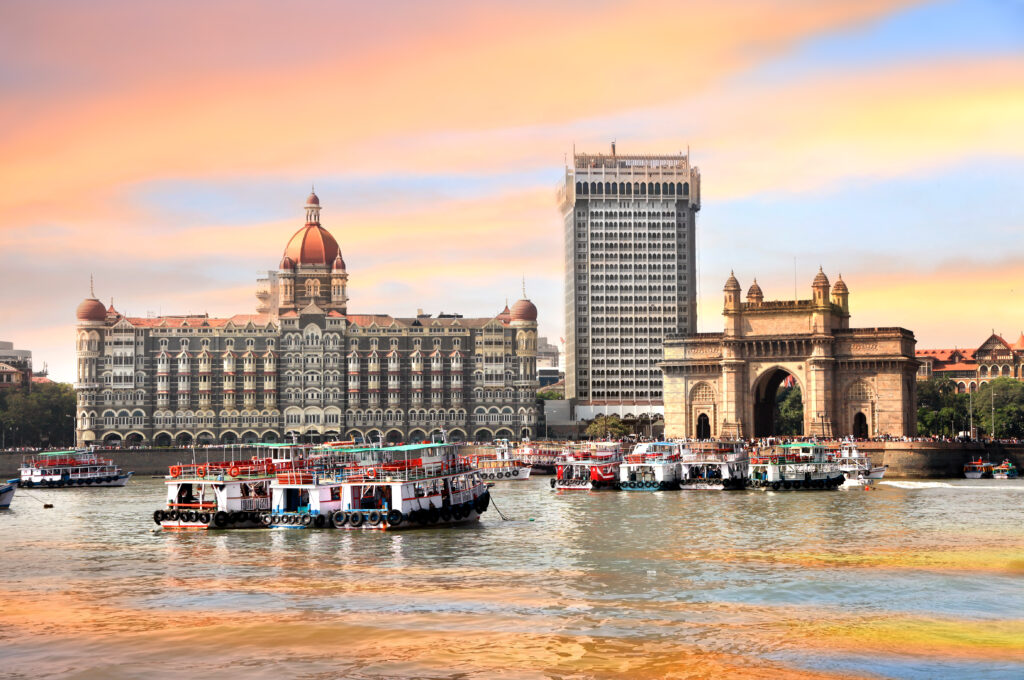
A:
[911,580]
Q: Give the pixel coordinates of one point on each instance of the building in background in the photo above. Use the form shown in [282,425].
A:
[17,357]
[548,355]
[303,367]
[853,381]
[630,276]
[15,366]
[970,368]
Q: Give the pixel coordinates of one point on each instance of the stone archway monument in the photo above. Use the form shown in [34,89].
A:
[852,380]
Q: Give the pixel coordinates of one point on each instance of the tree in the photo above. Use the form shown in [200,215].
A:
[602,427]
[940,409]
[789,411]
[1006,397]
[42,417]
[550,394]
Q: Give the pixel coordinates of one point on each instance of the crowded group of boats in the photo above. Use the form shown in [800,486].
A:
[352,486]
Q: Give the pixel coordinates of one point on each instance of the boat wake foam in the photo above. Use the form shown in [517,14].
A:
[947,485]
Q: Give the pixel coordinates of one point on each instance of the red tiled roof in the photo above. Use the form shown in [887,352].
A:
[198,321]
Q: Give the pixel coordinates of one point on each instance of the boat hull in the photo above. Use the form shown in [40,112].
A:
[7,494]
[511,474]
[84,483]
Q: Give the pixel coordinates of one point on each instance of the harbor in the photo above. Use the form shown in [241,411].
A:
[617,585]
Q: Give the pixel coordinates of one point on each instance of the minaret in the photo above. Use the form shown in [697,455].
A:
[732,305]
[312,208]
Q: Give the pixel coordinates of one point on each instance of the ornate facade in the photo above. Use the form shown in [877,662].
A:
[971,368]
[853,381]
[303,367]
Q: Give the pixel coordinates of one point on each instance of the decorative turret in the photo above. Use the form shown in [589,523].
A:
[312,208]
[732,293]
[841,295]
[754,294]
[339,284]
[820,287]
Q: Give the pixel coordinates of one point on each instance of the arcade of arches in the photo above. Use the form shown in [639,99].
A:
[853,381]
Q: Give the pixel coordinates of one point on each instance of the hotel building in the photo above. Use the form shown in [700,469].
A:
[630,276]
[302,367]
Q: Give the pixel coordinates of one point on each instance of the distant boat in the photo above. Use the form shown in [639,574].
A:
[7,493]
[61,469]
[978,469]
[1005,470]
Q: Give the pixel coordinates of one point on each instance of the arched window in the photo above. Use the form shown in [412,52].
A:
[702,394]
[859,391]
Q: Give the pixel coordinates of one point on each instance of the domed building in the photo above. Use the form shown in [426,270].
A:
[303,367]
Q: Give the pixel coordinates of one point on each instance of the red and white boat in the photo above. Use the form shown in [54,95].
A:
[66,469]
[589,466]
[386,488]
[499,465]
[230,494]
[542,457]
[651,466]
[714,466]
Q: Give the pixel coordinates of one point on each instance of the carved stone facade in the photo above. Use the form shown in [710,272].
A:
[303,367]
[853,381]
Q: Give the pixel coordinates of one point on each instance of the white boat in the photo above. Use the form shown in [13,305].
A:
[801,466]
[386,488]
[588,466]
[978,469]
[857,468]
[224,495]
[65,469]
[499,465]
[714,466]
[651,466]
[7,493]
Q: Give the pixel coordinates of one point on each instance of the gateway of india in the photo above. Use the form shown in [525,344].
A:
[853,381]
[303,367]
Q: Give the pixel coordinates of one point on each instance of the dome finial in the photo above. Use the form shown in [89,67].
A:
[524,286]
[92,290]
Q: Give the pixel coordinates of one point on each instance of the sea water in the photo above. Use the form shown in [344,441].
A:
[908,580]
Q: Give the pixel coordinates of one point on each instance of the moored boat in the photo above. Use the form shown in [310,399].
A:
[801,466]
[589,466]
[1005,470]
[66,469]
[714,466]
[542,457]
[388,488]
[651,466]
[978,469]
[7,493]
[858,468]
[230,494]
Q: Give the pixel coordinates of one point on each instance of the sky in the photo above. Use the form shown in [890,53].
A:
[166,149]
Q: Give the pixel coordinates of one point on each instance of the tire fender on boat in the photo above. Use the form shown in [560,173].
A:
[339,519]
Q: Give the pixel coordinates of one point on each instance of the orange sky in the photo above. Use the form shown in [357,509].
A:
[167,150]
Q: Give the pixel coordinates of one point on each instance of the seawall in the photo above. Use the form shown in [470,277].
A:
[909,460]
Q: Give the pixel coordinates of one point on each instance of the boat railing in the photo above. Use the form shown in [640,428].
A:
[197,506]
[256,503]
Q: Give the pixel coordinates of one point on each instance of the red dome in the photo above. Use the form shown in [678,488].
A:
[524,310]
[91,309]
[287,263]
[505,316]
[339,263]
[312,244]
[313,199]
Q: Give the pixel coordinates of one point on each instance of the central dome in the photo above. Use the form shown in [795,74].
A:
[312,244]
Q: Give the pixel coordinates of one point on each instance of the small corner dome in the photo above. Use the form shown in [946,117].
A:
[91,309]
[523,310]
[755,291]
[287,263]
[731,283]
[505,315]
[339,263]
[312,199]
[840,286]
[820,279]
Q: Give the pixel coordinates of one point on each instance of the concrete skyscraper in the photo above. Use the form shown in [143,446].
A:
[630,275]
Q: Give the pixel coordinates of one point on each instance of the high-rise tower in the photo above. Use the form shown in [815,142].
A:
[630,275]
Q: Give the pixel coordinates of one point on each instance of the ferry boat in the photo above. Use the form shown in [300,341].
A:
[542,457]
[227,494]
[714,466]
[978,469]
[652,466]
[395,487]
[7,493]
[1005,470]
[589,466]
[801,466]
[62,469]
[857,468]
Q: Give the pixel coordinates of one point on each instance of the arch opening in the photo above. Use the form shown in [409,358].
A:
[703,426]
[860,425]
[778,405]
